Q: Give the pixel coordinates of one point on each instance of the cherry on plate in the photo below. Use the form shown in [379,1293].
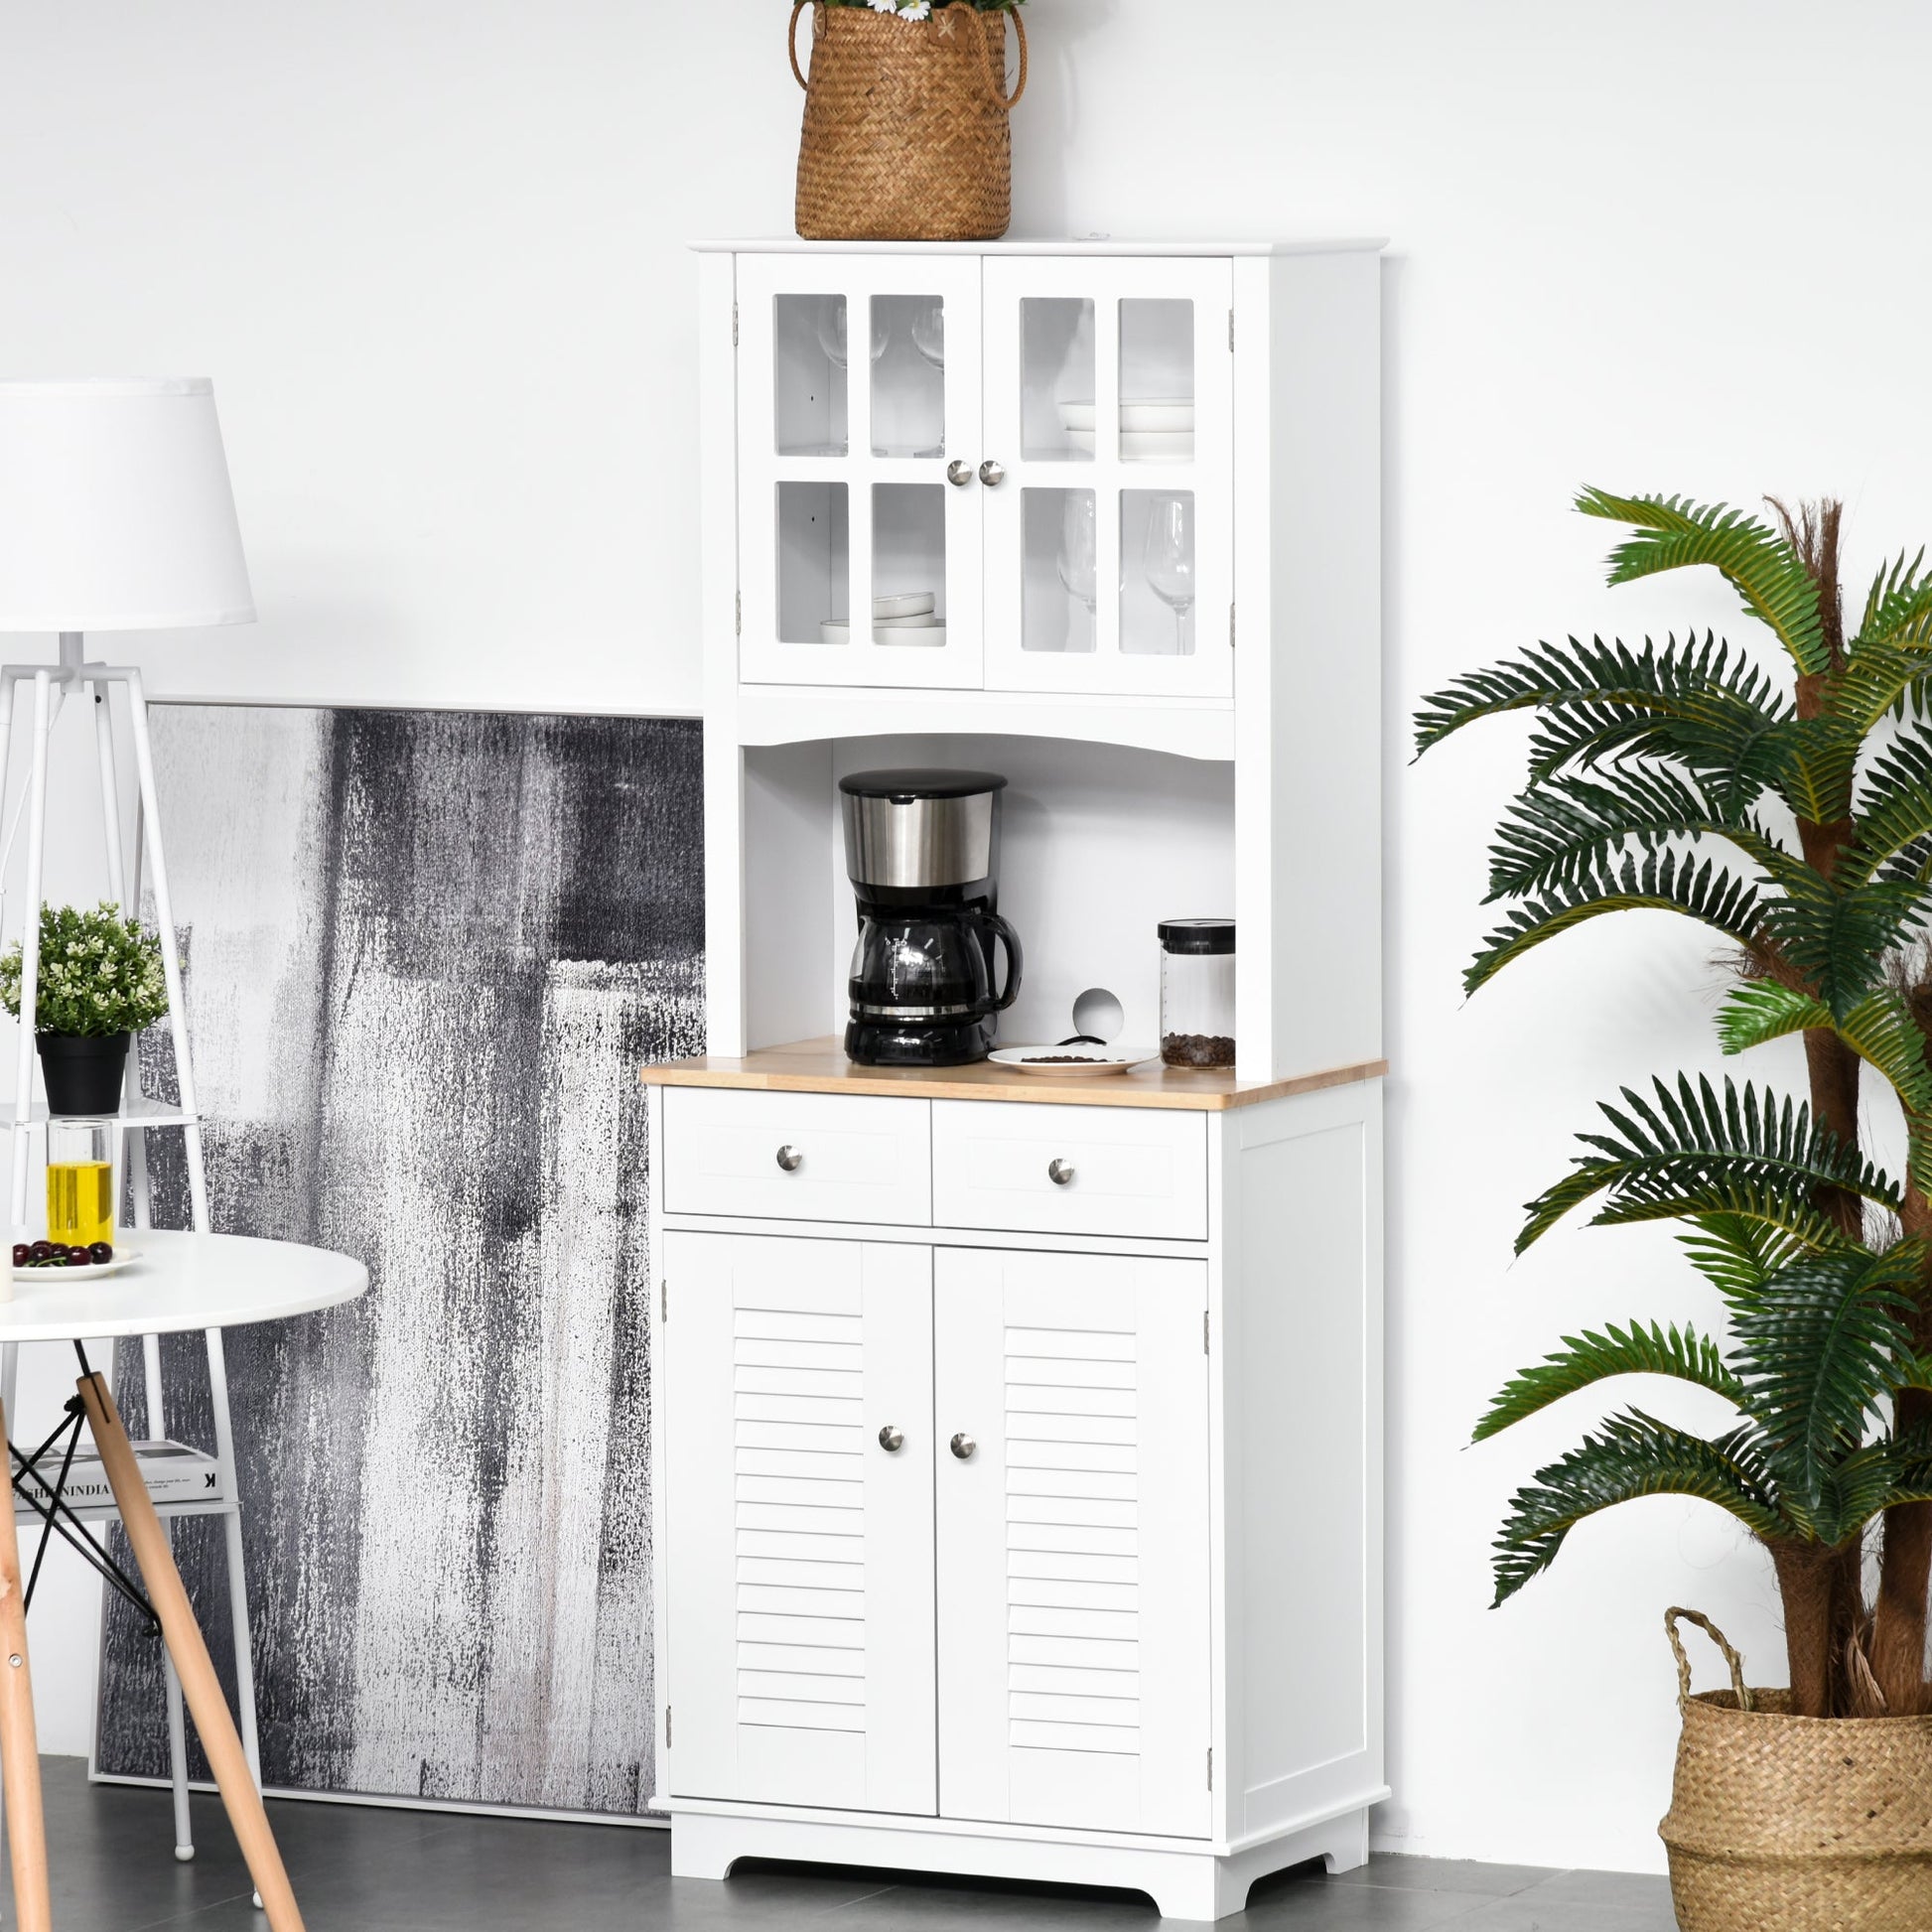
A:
[101,1251]
[22,1254]
[41,1250]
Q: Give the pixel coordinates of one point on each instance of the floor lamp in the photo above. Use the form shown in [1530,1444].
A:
[115,514]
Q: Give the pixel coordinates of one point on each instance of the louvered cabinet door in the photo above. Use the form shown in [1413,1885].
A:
[800,1558]
[1072,1540]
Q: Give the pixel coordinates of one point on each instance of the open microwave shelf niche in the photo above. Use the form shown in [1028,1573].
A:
[1098,844]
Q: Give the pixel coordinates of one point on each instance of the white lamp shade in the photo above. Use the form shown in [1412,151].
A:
[115,512]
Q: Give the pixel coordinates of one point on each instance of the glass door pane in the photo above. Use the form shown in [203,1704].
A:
[808,374]
[1156,381]
[1056,394]
[1109,544]
[909,375]
[858,539]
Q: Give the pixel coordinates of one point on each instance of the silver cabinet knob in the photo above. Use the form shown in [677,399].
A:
[959,473]
[1059,1172]
[791,1159]
[892,1440]
[991,475]
[963,1446]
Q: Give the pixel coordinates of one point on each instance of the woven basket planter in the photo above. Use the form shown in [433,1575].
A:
[905,134]
[1783,1824]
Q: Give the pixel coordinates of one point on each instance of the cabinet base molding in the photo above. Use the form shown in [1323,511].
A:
[1184,1883]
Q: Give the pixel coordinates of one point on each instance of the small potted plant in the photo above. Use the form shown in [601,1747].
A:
[100,980]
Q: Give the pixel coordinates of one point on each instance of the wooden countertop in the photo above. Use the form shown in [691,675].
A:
[820,1066]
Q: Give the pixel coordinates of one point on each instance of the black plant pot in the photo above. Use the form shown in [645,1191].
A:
[82,1071]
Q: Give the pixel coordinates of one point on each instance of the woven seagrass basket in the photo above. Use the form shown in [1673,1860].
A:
[906,135]
[1783,1824]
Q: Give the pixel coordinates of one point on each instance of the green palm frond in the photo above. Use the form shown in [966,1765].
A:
[1569,826]
[1588,1359]
[1852,1492]
[1898,607]
[1632,1455]
[1816,1347]
[1736,1255]
[1709,685]
[1889,663]
[1809,762]
[1879,1029]
[1894,806]
[1666,881]
[1757,563]
[1836,941]
[1687,1153]
[1882,680]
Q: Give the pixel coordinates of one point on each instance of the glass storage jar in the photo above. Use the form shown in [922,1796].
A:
[1198,991]
[79,1182]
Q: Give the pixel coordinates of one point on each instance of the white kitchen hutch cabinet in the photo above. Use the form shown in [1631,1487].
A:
[1020,1458]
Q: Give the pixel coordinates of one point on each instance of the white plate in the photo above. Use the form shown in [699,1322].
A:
[908,604]
[1065,1062]
[919,632]
[1141,446]
[1170,416]
[123,1258]
[914,620]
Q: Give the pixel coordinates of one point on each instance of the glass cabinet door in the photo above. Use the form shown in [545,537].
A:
[858,443]
[1109,540]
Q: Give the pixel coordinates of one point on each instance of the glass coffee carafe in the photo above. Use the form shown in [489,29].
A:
[921,985]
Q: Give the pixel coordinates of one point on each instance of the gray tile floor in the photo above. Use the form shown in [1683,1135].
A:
[365,1870]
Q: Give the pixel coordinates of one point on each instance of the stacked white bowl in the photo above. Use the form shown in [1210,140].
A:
[898,618]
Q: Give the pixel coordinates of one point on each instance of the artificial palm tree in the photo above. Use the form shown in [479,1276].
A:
[1790,811]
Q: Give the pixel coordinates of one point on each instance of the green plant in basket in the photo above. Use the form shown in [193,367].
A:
[1789,810]
[100,973]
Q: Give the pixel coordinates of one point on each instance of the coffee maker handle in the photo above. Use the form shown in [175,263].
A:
[1010,990]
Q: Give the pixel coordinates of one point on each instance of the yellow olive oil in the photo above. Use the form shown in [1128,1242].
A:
[80,1202]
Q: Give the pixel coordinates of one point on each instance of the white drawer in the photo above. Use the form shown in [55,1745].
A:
[1123,1169]
[846,1156]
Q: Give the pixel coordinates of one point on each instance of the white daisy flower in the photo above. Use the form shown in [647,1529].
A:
[918,10]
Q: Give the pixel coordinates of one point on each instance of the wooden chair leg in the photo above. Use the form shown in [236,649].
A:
[20,1762]
[199,1683]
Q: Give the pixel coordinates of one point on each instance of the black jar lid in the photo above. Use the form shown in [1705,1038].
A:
[1196,935]
[920,781]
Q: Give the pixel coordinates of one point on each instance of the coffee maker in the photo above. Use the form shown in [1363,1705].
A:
[922,852]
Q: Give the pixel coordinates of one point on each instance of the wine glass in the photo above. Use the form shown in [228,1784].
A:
[927,325]
[929,330]
[832,332]
[1168,560]
[1079,556]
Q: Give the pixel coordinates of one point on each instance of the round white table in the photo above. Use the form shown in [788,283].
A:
[180,1282]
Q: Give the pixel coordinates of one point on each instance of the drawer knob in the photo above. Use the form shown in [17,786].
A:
[892,1440]
[963,1446]
[958,474]
[991,475]
[790,1158]
[1059,1172]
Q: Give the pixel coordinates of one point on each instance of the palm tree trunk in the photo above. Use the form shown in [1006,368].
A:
[1806,1573]
[1899,1624]
[1904,1571]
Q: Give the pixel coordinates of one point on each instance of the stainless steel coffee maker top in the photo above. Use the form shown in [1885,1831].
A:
[920,828]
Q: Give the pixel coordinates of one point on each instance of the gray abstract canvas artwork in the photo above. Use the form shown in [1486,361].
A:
[427,954]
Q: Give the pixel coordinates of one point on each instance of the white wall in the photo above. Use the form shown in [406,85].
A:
[431,255]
